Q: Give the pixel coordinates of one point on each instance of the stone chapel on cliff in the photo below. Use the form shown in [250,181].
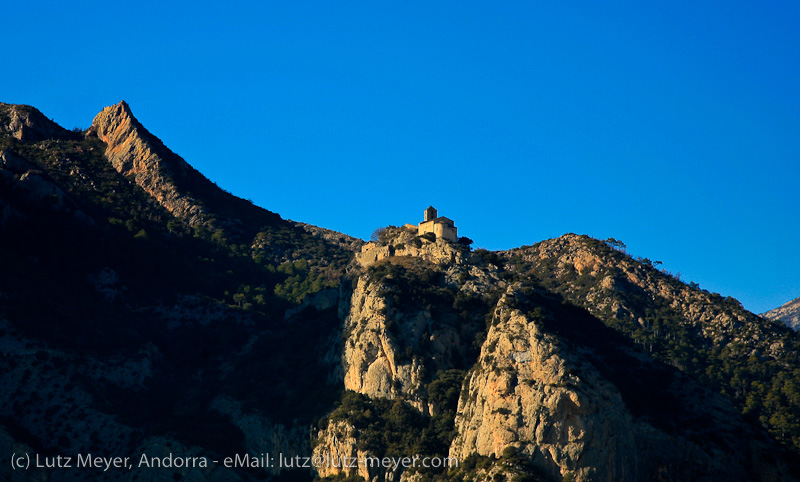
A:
[441,226]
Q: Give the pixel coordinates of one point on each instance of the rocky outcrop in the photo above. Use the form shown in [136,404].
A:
[263,436]
[134,152]
[395,341]
[526,394]
[371,253]
[788,313]
[13,164]
[538,363]
[405,242]
[374,360]
[552,385]
[23,184]
[336,446]
[192,198]
[710,337]
[28,182]
[321,300]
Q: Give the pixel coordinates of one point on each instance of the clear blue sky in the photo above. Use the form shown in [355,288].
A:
[674,128]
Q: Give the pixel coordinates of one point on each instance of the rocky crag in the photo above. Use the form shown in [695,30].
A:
[188,195]
[136,153]
[397,336]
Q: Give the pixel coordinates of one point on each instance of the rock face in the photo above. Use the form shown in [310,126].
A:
[27,181]
[788,313]
[133,151]
[711,338]
[405,242]
[89,336]
[264,436]
[375,364]
[526,393]
[24,184]
[192,198]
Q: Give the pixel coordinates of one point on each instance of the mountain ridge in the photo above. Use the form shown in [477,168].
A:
[125,329]
[143,309]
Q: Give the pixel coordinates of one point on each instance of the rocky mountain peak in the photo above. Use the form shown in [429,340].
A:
[183,191]
[121,111]
[136,153]
[127,139]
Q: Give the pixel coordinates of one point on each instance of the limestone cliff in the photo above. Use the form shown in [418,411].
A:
[405,242]
[336,445]
[550,386]
[526,393]
[415,309]
[375,363]
[403,325]
[192,198]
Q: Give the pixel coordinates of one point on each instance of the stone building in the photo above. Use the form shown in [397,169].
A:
[441,226]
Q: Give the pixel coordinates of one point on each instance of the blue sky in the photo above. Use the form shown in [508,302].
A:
[674,128]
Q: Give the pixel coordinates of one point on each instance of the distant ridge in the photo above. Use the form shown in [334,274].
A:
[788,313]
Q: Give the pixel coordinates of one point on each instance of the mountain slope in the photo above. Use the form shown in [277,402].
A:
[788,313]
[714,339]
[126,329]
